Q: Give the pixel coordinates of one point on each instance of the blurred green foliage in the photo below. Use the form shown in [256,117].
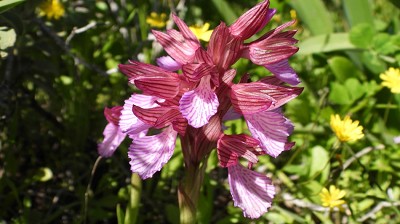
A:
[58,75]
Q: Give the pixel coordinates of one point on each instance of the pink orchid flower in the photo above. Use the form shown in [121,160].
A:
[194,103]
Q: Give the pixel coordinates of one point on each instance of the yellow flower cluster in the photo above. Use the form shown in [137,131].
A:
[346,130]
[202,32]
[391,79]
[51,9]
[157,20]
[332,198]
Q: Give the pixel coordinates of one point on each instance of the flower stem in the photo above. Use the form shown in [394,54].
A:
[189,191]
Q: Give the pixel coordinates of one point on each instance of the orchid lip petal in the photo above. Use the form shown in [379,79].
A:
[130,123]
[198,105]
[149,153]
[113,137]
[251,191]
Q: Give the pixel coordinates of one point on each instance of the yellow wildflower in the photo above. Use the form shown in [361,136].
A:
[51,9]
[391,79]
[157,20]
[293,15]
[332,197]
[202,32]
[346,130]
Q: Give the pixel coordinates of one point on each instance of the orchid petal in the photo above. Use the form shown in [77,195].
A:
[251,191]
[249,98]
[194,72]
[112,114]
[163,87]
[157,117]
[231,114]
[252,21]
[136,69]
[272,129]
[230,147]
[128,122]
[224,48]
[168,63]
[113,137]
[198,105]
[186,32]
[269,54]
[284,72]
[176,46]
[149,153]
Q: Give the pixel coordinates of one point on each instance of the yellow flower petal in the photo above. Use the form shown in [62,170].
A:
[202,32]
[346,130]
[391,79]
[157,20]
[51,9]
[332,198]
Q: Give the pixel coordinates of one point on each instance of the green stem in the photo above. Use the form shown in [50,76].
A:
[134,201]
[386,115]
[189,191]
[88,189]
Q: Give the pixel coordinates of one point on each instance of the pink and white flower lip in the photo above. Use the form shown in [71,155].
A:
[251,191]
[113,135]
[191,92]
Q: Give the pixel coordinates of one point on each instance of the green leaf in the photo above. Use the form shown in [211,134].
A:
[323,218]
[347,93]
[384,44]
[339,94]
[373,62]
[8,4]
[225,10]
[355,89]
[325,43]
[371,87]
[7,39]
[314,15]
[343,68]
[358,11]
[362,35]
[319,161]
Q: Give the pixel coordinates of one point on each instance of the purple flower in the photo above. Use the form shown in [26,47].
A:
[194,103]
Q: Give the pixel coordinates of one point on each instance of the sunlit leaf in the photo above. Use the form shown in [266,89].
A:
[8,4]
[358,11]
[361,35]
[314,15]
[326,43]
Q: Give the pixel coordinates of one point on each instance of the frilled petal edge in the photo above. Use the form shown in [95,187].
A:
[149,153]
[113,136]
[251,191]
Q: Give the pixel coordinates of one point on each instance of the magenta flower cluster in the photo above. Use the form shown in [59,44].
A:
[194,103]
